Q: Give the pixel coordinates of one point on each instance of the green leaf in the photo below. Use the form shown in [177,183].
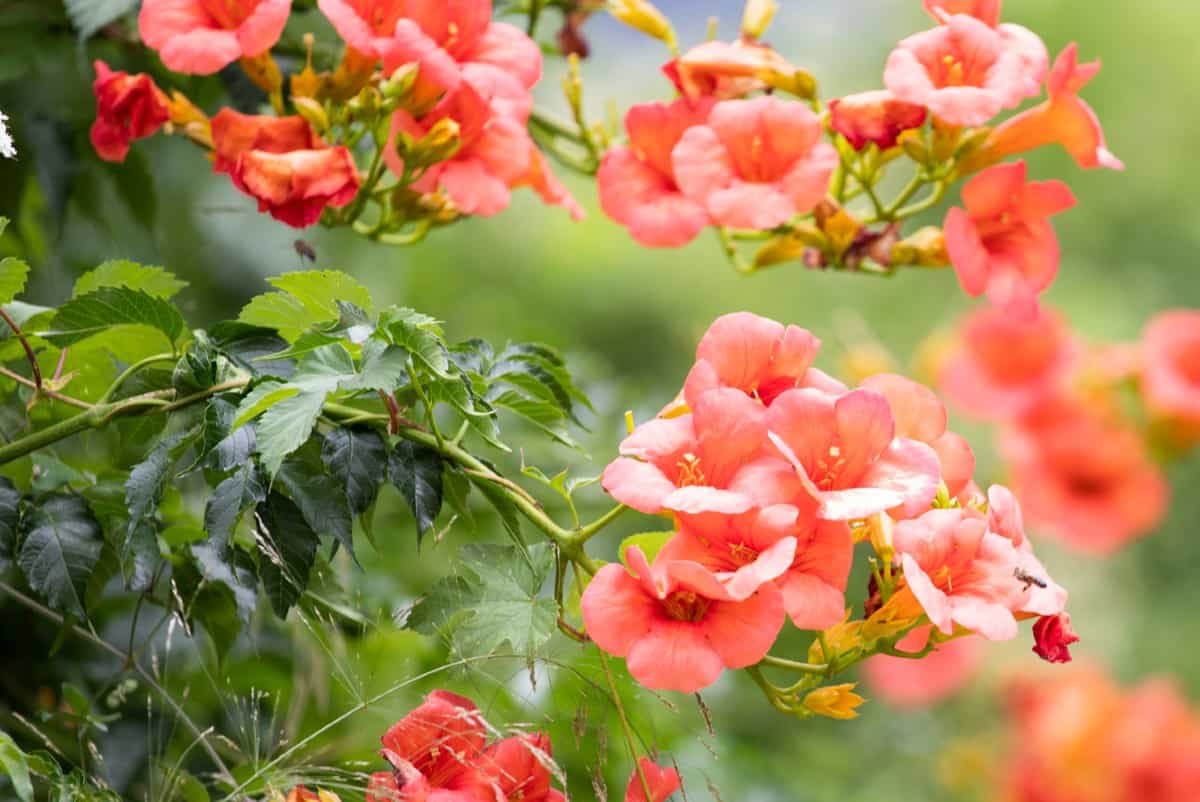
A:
[14,764]
[384,367]
[229,500]
[250,346]
[13,273]
[216,566]
[60,551]
[419,335]
[495,602]
[306,299]
[416,471]
[288,551]
[321,500]
[221,446]
[140,556]
[154,281]
[89,16]
[505,508]
[10,517]
[358,459]
[649,542]
[108,307]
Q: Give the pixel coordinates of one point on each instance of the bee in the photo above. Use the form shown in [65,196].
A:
[1029,579]
[305,250]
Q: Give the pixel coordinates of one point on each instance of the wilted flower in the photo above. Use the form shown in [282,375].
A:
[128,107]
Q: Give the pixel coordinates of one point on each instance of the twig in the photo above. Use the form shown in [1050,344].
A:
[20,335]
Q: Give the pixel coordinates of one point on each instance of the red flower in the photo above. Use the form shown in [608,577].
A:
[662,782]
[518,768]
[1052,635]
[128,107]
[874,117]
[1002,243]
[284,165]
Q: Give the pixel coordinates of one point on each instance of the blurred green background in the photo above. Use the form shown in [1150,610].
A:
[629,319]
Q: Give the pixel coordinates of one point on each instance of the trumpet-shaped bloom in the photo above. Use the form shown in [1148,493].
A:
[433,752]
[1002,243]
[758,356]
[367,26]
[874,117]
[1064,119]
[755,163]
[203,36]
[727,70]
[1082,478]
[1043,596]
[986,11]
[661,782]
[128,107]
[1171,367]
[919,415]
[711,459]
[676,624]
[518,767]
[912,684]
[1007,365]
[235,133]
[637,183]
[846,455]
[965,72]
[814,583]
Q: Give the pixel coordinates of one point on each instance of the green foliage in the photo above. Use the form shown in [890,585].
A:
[60,550]
[102,310]
[15,764]
[89,16]
[416,472]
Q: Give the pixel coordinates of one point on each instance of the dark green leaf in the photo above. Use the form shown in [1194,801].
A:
[420,336]
[10,517]
[60,551]
[140,557]
[416,471]
[229,500]
[287,551]
[223,449]
[107,307]
[321,500]
[509,517]
[247,345]
[358,459]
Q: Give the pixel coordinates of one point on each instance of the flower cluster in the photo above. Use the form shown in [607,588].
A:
[731,152]
[1079,737]
[771,470]
[444,92]
[1082,458]
[440,751]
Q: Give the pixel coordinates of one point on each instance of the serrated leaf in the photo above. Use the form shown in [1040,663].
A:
[89,16]
[14,764]
[108,307]
[320,499]
[358,459]
[416,471]
[60,551]
[154,281]
[541,414]
[306,299]
[229,500]
[213,561]
[10,517]
[509,517]
[248,345]
[139,557]
[419,335]
[13,273]
[287,552]
[221,446]
[383,367]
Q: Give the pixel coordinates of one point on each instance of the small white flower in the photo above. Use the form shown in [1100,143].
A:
[7,148]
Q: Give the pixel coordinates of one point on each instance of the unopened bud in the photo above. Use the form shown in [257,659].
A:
[643,16]
[312,111]
[400,82]
[881,526]
[840,226]
[442,142]
[840,639]
[757,17]
[923,248]
[834,701]
[913,143]
[945,140]
[790,246]
[972,141]
[800,83]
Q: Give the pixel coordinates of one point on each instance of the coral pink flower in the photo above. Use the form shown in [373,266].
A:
[1006,365]
[1043,596]
[1064,119]
[960,573]
[758,356]
[203,36]
[443,36]
[662,782]
[1003,243]
[1052,637]
[637,183]
[726,70]
[708,460]
[517,766]
[987,11]
[367,26]
[433,752]
[846,455]
[676,624]
[1171,368]
[755,163]
[814,583]
[874,117]
[919,415]
[495,152]
[128,107]
[235,133]
[965,72]
[1083,479]
[913,684]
